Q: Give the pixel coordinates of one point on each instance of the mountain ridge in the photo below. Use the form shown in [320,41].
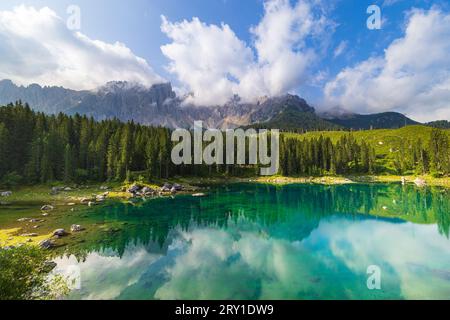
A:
[159,105]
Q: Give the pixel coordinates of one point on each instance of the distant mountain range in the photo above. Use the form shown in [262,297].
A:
[160,106]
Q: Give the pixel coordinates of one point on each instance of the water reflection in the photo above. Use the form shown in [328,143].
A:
[263,242]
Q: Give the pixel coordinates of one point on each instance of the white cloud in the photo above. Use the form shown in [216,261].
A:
[413,75]
[214,64]
[36,46]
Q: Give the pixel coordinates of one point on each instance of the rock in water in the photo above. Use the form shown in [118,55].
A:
[47,207]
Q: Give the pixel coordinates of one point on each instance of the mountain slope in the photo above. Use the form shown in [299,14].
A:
[385,120]
[291,114]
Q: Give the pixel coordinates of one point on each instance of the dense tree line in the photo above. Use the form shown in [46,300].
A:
[38,148]
[320,156]
[413,155]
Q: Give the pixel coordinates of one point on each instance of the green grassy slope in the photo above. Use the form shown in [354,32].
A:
[385,141]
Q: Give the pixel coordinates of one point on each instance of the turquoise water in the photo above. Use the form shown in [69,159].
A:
[263,242]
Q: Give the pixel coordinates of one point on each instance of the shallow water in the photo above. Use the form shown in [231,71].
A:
[265,242]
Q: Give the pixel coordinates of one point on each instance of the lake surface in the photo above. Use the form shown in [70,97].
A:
[249,241]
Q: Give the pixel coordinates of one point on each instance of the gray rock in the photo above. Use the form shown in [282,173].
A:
[6,194]
[68,189]
[104,188]
[177,187]
[23,219]
[47,207]
[47,244]
[134,189]
[60,232]
[76,228]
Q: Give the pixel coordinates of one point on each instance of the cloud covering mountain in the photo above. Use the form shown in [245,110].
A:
[37,47]
[285,54]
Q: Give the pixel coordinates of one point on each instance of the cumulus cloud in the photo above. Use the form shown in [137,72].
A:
[412,76]
[36,46]
[214,64]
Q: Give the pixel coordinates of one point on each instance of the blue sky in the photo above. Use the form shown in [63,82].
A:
[137,24]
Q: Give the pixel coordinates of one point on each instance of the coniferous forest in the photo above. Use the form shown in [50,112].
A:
[38,148]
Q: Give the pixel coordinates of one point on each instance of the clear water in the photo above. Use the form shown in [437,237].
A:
[264,242]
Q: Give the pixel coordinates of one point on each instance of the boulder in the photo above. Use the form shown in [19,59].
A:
[177,187]
[167,187]
[134,189]
[76,228]
[47,207]
[60,233]
[146,190]
[47,244]
[6,194]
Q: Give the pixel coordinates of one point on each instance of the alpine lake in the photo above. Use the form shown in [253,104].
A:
[258,241]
